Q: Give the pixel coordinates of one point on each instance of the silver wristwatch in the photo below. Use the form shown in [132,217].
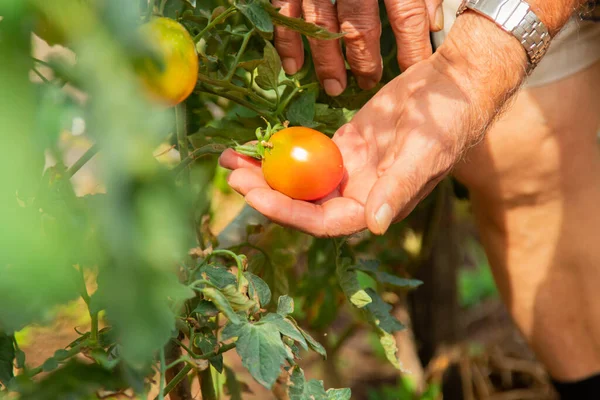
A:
[516,17]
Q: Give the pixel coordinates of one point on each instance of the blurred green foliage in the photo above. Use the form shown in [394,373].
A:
[161,276]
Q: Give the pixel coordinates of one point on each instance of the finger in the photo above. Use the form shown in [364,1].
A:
[327,54]
[287,42]
[410,23]
[397,192]
[337,217]
[436,15]
[244,180]
[231,159]
[359,19]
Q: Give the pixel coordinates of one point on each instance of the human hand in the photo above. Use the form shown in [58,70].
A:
[404,140]
[411,21]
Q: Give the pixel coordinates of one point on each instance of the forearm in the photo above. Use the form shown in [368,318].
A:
[489,64]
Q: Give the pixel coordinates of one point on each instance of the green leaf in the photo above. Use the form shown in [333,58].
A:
[313,389]
[75,380]
[222,304]
[379,314]
[233,385]
[312,343]
[223,129]
[339,394]
[258,289]
[217,275]
[7,357]
[268,72]
[372,268]
[262,351]
[231,330]
[348,280]
[285,327]
[302,110]
[299,25]
[206,341]
[142,313]
[238,301]
[285,305]
[256,14]
[206,308]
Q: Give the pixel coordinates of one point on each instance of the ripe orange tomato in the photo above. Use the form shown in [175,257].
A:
[303,163]
[176,81]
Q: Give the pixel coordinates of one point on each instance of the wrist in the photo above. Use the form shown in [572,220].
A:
[487,64]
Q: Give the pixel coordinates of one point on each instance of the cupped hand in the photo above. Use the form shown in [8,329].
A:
[395,150]
[411,21]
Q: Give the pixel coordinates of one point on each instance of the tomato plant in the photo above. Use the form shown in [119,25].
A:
[166,297]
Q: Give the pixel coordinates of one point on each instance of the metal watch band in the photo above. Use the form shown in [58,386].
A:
[516,17]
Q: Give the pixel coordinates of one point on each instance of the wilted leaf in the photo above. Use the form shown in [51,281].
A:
[217,275]
[206,308]
[348,280]
[388,342]
[312,343]
[285,327]
[379,313]
[285,305]
[339,394]
[258,289]
[222,304]
[238,301]
[206,341]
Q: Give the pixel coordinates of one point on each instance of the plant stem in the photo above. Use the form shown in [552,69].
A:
[161,393]
[239,55]
[212,23]
[202,151]
[206,385]
[38,73]
[182,139]
[238,100]
[161,8]
[230,86]
[183,373]
[87,156]
[93,315]
[70,353]
[175,381]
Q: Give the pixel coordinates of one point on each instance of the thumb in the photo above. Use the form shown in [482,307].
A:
[396,193]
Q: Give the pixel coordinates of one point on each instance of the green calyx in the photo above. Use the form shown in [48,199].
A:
[257,150]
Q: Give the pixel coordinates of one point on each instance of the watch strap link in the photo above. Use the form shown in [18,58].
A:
[515,17]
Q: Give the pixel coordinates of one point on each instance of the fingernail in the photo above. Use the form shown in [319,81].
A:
[333,87]
[289,66]
[383,217]
[439,19]
[366,83]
